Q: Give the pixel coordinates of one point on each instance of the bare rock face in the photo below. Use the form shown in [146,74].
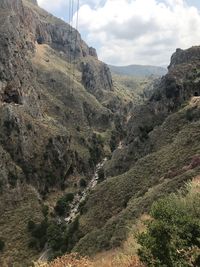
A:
[56,33]
[15,5]
[96,77]
[93,52]
[185,56]
[15,46]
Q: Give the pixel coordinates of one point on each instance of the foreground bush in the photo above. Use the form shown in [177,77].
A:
[172,237]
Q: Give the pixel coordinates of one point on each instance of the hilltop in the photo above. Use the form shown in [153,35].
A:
[138,70]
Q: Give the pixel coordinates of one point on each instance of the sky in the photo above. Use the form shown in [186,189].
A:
[128,32]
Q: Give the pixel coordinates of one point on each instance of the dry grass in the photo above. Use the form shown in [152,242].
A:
[73,260]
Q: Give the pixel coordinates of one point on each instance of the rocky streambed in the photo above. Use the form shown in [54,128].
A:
[80,197]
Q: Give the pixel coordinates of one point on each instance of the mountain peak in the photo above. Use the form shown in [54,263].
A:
[189,55]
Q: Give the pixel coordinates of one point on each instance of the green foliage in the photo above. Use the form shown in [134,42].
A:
[55,236]
[173,235]
[114,140]
[82,182]
[62,205]
[192,114]
[69,197]
[31,225]
[45,211]
[2,245]
[144,131]
[61,237]
[38,234]
[189,115]
[101,175]
[96,149]
[33,243]
[78,128]
[1,185]
[29,126]
[12,179]
[171,88]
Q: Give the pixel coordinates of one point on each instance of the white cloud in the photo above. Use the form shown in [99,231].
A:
[134,31]
[53,5]
[140,31]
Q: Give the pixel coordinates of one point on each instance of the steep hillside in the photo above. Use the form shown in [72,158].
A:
[58,108]
[138,70]
[178,239]
[160,152]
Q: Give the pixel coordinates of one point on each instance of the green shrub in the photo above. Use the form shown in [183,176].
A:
[69,197]
[1,185]
[12,179]
[61,207]
[78,128]
[101,175]
[82,183]
[55,236]
[2,245]
[29,126]
[189,115]
[173,235]
[95,149]
[45,210]
[113,141]
[33,242]
[40,230]
[31,225]
[38,234]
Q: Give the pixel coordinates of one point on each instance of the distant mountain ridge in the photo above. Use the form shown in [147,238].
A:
[138,70]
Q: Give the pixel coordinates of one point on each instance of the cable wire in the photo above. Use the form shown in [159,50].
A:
[71,49]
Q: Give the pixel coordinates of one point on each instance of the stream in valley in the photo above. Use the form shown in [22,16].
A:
[80,197]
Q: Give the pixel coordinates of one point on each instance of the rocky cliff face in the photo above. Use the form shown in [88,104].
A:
[96,84]
[20,91]
[185,56]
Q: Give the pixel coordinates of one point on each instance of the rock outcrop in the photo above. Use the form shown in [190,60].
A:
[185,56]
[96,84]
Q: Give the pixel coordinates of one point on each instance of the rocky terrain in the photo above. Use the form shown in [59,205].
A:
[56,117]
[159,153]
[61,114]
